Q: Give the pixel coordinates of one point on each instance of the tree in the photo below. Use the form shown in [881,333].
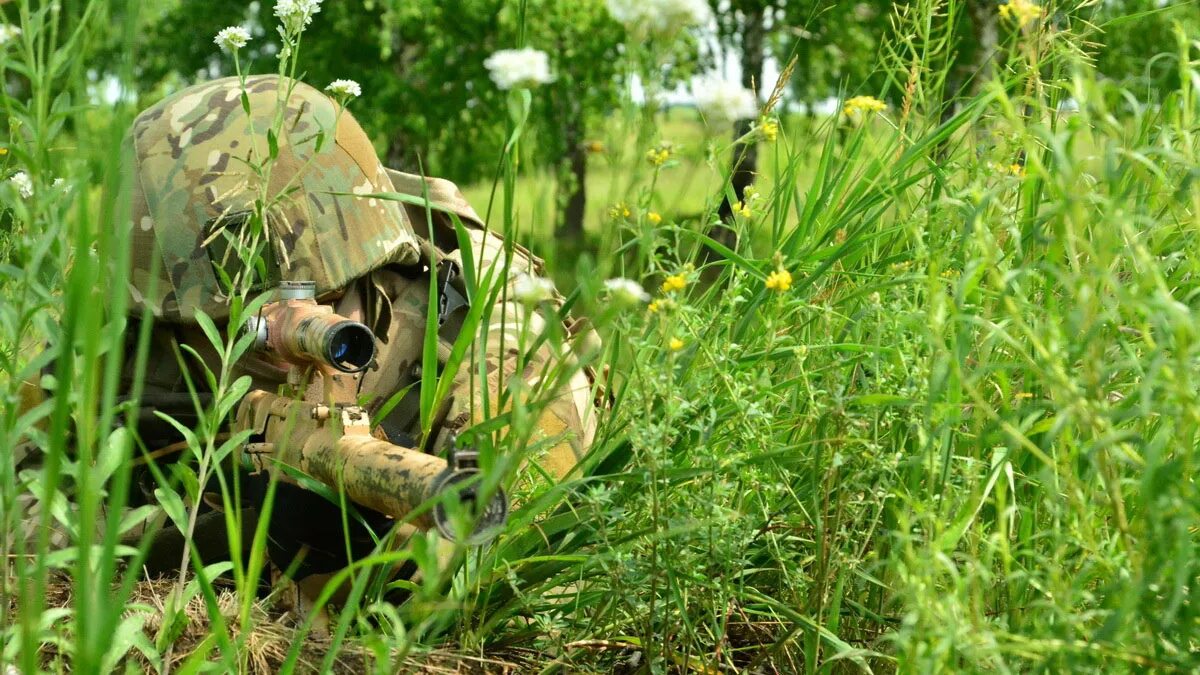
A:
[1137,45]
[428,101]
[582,40]
[744,27]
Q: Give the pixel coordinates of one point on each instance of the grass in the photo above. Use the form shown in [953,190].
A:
[684,191]
[963,439]
[695,175]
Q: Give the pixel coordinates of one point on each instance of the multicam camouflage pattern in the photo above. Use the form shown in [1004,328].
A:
[194,154]
[377,255]
[566,425]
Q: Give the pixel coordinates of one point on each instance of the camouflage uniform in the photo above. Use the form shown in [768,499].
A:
[371,258]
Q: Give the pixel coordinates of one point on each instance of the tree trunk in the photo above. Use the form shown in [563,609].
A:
[745,157]
[983,22]
[572,180]
[969,73]
[979,65]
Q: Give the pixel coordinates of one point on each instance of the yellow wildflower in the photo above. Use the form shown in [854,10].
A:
[769,127]
[1023,11]
[661,305]
[659,156]
[654,218]
[675,344]
[594,147]
[1013,169]
[675,282]
[742,209]
[619,211]
[780,280]
[863,104]
[3,151]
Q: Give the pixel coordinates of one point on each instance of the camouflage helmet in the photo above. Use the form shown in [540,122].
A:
[195,185]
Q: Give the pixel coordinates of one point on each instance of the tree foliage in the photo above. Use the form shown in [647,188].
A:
[429,103]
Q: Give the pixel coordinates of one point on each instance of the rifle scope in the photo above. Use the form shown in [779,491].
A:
[299,330]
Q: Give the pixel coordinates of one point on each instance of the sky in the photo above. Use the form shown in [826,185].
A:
[729,67]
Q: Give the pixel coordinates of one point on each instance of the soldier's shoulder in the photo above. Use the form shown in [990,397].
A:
[446,203]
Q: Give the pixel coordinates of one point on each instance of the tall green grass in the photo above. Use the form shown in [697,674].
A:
[964,439]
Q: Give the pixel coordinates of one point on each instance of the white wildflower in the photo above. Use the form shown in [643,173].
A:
[8,33]
[626,291]
[532,290]
[232,38]
[296,14]
[344,89]
[22,183]
[58,183]
[660,16]
[724,100]
[519,68]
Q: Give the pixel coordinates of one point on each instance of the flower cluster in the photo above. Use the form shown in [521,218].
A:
[344,89]
[769,128]
[750,196]
[859,108]
[531,290]
[232,38]
[723,100]
[8,33]
[1013,169]
[779,281]
[674,282]
[619,211]
[659,155]
[1023,12]
[626,291]
[21,181]
[296,14]
[863,104]
[660,16]
[519,68]
[661,305]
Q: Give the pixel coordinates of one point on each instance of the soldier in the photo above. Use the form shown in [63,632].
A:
[372,259]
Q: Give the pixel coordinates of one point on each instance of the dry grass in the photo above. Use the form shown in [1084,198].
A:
[272,633]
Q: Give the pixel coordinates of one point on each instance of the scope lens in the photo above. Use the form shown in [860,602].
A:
[350,346]
[340,350]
